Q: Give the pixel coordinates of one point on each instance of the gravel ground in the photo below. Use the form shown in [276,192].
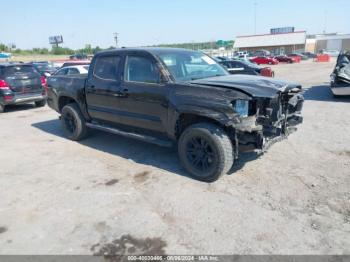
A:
[64,197]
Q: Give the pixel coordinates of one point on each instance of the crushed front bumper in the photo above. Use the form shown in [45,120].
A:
[340,89]
[279,119]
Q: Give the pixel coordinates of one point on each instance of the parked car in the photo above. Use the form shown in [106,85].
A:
[309,54]
[259,60]
[74,63]
[246,68]
[72,70]
[239,53]
[44,68]
[177,97]
[221,58]
[296,57]
[78,57]
[285,59]
[5,55]
[340,78]
[21,83]
[333,53]
[261,53]
[302,57]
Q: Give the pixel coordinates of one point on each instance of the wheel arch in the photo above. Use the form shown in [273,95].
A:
[188,118]
[65,100]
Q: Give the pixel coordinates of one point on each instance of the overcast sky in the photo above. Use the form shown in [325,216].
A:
[145,22]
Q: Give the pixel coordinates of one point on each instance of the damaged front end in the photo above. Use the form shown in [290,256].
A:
[340,78]
[270,119]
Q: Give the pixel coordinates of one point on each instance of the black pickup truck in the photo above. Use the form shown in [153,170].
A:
[177,97]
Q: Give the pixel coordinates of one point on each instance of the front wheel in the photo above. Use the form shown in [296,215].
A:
[205,151]
[73,122]
[2,108]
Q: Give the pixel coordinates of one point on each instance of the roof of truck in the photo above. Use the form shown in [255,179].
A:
[147,49]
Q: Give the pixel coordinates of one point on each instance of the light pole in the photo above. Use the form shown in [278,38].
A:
[255,4]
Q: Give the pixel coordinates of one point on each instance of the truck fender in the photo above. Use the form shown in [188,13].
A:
[221,118]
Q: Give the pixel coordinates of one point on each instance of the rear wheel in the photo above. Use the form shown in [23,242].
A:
[205,151]
[2,108]
[40,103]
[73,122]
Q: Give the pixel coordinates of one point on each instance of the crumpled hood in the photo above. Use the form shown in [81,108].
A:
[344,72]
[254,86]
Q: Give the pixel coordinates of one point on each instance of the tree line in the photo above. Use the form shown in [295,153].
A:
[88,50]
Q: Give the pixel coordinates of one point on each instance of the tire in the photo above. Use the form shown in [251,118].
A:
[40,103]
[2,108]
[73,122]
[210,163]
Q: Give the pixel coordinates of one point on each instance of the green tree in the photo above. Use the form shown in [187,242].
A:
[3,48]
[62,51]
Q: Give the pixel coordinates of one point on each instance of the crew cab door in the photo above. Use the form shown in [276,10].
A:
[144,102]
[103,87]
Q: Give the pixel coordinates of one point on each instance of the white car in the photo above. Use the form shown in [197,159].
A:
[72,70]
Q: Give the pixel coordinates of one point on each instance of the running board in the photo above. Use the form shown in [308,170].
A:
[149,139]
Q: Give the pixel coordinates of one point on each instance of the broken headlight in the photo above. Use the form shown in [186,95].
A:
[241,107]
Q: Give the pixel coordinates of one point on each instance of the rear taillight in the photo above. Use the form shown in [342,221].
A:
[44,82]
[8,98]
[4,85]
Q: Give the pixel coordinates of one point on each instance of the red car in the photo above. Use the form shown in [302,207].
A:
[264,60]
[285,59]
[295,57]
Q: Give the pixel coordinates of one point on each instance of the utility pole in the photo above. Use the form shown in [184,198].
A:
[325,22]
[255,4]
[116,39]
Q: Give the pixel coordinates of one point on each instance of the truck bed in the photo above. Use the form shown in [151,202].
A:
[71,86]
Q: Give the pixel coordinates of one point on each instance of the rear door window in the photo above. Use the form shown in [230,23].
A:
[73,71]
[62,72]
[106,67]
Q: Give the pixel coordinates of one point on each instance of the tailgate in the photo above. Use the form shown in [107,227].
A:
[23,79]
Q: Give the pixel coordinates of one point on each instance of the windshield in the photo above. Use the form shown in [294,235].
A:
[190,65]
[44,67]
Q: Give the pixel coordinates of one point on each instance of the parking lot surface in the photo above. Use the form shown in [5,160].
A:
[64,197]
